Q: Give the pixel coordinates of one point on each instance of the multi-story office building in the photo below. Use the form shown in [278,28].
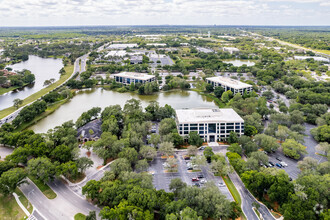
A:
[130,77]
[211,124]
[229,84]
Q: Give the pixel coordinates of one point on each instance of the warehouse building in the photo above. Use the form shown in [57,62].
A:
[211,124]
[127,78]
[235,86]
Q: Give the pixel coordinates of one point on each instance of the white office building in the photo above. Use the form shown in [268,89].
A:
[231,50]
[127,78]
[211,124]
[235,86]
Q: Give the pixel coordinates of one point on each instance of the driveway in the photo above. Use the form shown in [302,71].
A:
[5,151]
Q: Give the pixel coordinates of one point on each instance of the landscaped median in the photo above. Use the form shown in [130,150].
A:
[79,216]
[68,72]
[44,188]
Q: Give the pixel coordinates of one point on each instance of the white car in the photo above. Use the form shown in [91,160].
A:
[284,164]
[221,184]
[203,181]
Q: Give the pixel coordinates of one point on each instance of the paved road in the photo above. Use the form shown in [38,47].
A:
[13,115]
[82,66]
[248,200]
[64,206]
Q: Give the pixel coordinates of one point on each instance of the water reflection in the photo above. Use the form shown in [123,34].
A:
[85,100]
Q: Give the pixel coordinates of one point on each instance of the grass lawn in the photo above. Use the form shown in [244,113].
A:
[79,216]
[50,109]
[232,189]
[24,200]
[44,188]
[9,209]
[5,90]
[257,212]
[37,95]
[323,51]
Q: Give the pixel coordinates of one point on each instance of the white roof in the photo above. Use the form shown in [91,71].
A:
[156,44]
[134,75]
[122,46]
[204,115]
[233,83]
[230,49]
[310,57]
[118,53]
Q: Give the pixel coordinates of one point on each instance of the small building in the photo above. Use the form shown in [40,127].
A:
[127,78]
[136,59]
[211,124]
[235,86]
[122,46]
[231,50]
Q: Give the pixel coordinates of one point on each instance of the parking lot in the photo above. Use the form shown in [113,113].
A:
[162,180]
[292,169]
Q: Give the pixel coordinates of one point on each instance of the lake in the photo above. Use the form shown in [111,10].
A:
[240,62]
[42,68]
[85,100]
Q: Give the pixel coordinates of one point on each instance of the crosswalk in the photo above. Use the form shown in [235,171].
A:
[32,217]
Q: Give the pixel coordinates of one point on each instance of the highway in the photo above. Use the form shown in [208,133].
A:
[77,68]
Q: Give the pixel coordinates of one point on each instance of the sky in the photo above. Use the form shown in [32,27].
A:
[163,12]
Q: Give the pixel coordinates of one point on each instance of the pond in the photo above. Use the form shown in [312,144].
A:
[85,100]
[240,62]
[42,68]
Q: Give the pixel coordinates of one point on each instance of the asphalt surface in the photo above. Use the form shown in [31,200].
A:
[64,206]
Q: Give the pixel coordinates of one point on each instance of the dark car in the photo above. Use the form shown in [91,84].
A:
[290,178]
[197,184]
[189,168]
[278,158]
[194,179]
[271,163]
[200,176]
[278,165]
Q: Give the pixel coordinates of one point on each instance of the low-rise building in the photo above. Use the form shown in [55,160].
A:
[127,78]
[211,124]
[235,86]
[231,50]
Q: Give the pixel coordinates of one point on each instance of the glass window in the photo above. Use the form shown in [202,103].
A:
[193,128]
[212,128]
[185,132]
[201,132]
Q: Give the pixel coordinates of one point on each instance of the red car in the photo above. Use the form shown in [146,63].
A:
[194,179]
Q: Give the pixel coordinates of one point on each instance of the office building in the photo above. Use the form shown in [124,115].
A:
[235,86]
[131,77]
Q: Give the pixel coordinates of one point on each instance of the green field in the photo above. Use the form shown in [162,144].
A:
[44,188]
[5,90]
[9,209]
[37,95]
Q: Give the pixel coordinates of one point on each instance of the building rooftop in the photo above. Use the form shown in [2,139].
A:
[231,49]
[134,75]
[229,82]
[122,46]
[201,115]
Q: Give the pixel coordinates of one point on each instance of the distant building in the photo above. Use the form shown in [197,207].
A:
[231,50]
[157,44]
[229,84]
[211,124]
[127,78]
[122,46]
[136,59]
[322,59]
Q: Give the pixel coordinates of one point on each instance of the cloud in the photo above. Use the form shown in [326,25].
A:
[75,12]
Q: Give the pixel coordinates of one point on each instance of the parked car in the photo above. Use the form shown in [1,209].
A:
[200,176]
[197,184]
[203,181]
[194,179]
[189,168]
[278,158]
[202,148]
[221,184]
[284,164]
[278,165]
[271,163]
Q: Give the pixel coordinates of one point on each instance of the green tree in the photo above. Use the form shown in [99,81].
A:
[12,179]
[293,149]
[208,153]
[267,143]
[167,126]
[166,148]
[155,139]
[195,139]
[42,169]
[17,103]
[130,154]
[83,163]
[177,185]
[192,150]
[235,148]
[142,165]
[148,152]
[120,165]
[233,138]
[218,91]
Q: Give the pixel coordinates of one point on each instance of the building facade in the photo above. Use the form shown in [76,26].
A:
[128,78]
[229,84]
[211,124]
